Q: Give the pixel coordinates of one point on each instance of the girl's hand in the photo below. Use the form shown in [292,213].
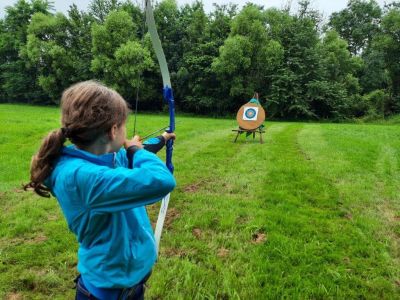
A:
[167,136]
[135,141]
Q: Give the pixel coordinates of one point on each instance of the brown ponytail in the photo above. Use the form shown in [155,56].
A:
[42,162]
[88,110]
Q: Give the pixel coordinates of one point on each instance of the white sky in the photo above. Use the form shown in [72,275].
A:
[324,6]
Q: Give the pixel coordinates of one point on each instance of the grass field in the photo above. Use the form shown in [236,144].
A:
[313,213]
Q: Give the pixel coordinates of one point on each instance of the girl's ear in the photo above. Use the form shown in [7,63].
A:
[112,134]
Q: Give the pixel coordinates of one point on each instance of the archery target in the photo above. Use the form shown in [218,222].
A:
[250,116]
[250,113]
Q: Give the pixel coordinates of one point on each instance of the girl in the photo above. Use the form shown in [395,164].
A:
[102,190]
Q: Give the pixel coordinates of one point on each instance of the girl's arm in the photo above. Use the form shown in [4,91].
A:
[156,144]
[107,190]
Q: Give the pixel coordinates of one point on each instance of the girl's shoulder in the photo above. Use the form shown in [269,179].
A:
[121,159]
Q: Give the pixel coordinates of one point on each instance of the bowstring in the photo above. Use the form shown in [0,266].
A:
[139,73]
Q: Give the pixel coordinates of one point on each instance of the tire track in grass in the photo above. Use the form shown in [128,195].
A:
[341,155]
[243,258]
[296,203]
[272,168]
[363,162]
[211,236]
[313,250]
[387,166]
[387,184]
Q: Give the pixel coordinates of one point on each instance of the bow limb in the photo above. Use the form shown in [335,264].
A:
[169,98]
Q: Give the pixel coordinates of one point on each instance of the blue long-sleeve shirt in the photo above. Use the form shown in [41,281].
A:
[103,202]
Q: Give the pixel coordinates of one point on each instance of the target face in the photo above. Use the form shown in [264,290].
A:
[250,113]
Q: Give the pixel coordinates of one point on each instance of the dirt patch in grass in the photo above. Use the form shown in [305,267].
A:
[18,190]
[242,220]
[197,233]
[348,216]
[223,252]
[27,240]
[14,296]
[174,252]
[387,210]
[194,187]
[390,216]
[52,217]
[258,238]
[172,215]
[39,239]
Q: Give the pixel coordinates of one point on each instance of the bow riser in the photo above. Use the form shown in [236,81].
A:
[169,98]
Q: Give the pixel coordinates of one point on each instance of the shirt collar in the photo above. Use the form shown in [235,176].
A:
[107,159]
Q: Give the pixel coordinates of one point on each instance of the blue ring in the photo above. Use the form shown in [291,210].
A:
[250,113]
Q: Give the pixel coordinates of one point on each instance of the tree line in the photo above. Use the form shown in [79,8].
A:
[303,66]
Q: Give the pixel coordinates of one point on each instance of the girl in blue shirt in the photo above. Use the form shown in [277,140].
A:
[103,182]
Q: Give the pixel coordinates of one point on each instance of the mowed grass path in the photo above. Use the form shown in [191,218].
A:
[314,213]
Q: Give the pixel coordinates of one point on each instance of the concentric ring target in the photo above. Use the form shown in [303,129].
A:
[250,113]
[250,116]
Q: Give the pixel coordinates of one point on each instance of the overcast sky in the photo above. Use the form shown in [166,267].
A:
[324,6]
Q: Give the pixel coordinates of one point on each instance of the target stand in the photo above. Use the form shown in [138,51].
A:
[253,132]
[250,118]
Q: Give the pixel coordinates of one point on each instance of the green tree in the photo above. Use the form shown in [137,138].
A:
[220,21]
[357,23]
[248,57]
[194,71]
[18,78]
[118,57]
[80,28]
[379,103]
[197,77]
[336,94]
[59,47]
[374,75]
[100,9]
[301,64]
[389,44]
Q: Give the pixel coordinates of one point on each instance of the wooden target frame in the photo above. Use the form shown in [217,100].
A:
[250,117]
[250,124]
